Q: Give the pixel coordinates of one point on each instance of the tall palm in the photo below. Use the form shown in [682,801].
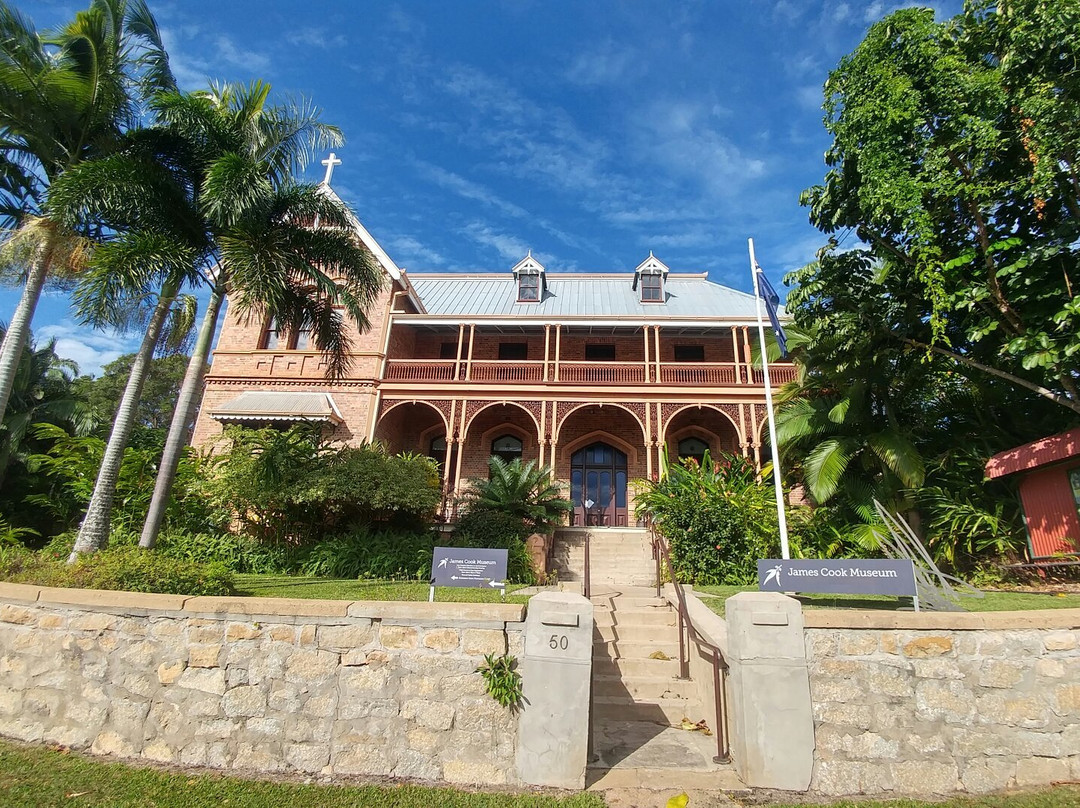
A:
[64,99]
[523,490]
[211,186]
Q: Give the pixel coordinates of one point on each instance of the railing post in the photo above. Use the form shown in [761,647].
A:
[723,753]
[684,660]
[587,586]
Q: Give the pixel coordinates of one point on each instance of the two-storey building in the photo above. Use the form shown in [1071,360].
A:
[592,374]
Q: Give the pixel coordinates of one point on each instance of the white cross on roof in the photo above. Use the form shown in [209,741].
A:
[330,162]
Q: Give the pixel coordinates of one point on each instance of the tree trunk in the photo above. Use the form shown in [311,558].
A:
[18,331]
[181,421]
[94,531]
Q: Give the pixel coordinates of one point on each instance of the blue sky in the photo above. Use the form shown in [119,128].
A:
[591,133]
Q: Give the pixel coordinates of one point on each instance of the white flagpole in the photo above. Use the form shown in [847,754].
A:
[781,516]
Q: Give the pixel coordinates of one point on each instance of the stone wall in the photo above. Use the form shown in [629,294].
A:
[936,703]
[261,684]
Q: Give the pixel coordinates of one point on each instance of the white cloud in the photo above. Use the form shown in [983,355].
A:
[809,96]
[606,63]
[214,56]
[91,350]
[316,38]
[510,248]
[408,249]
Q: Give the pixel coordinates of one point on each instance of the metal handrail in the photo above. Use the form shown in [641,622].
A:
[586,588]
[688,631]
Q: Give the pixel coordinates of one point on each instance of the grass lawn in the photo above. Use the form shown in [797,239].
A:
[1000,601]
[35,777]
[291,586]
[32,777]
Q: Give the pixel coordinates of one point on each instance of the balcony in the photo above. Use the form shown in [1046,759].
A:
[689,374]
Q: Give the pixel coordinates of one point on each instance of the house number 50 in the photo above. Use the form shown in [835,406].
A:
[558,642]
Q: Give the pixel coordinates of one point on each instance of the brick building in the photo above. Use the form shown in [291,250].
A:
[592,374]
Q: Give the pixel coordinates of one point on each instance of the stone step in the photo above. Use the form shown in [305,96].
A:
[651,668]
[645,687]
[668,712]
[635,617]
[633,650]
[630,601]
[675,780]
[635,633]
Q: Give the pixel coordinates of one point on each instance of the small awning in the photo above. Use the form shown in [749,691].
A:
[1043,452]
[257,405]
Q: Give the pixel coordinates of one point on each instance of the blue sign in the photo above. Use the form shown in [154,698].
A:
[469,566]
[852,577]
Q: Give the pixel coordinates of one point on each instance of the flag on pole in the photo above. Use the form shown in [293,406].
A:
[772,300]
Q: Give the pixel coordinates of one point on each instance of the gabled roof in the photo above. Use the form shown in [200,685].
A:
[581,295]
[1042,452]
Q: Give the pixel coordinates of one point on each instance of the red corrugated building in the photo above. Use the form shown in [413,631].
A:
[1049,491]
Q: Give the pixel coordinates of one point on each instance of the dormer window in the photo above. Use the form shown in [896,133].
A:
[649,279]
[652,288]
[529,274]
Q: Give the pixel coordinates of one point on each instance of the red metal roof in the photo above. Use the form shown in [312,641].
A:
[1042,452]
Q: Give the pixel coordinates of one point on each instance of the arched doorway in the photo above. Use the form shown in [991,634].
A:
[598,480]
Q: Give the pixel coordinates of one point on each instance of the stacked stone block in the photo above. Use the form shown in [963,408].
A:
[315,687]
[943,703]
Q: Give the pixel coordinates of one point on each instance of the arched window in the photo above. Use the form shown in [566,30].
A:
[507,447]
[437,450]
[693,447]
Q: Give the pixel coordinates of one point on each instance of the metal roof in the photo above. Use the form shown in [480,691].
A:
[1036,454]
[259,405]
[580,295]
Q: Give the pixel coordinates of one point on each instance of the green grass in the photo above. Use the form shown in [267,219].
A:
[32,777]
[998,601]
[35,777]
[291,586]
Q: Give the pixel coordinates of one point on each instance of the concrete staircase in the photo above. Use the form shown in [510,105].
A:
[618,556]
[639,702]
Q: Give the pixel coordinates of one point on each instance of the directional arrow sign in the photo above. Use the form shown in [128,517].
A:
[469,566]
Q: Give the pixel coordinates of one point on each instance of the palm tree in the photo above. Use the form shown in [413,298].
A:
[64,99]
[210,188]
[42,394]
[522,490]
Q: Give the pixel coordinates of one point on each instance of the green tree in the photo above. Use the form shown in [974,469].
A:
[157,402]
[64,99]
[951,164]
[522,490]
[210,186]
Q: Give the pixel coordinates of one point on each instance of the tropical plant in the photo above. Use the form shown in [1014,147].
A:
[294,487]
[522,490]
[718,517]
[64,99]
[217,169]
[43,393]
[483,527]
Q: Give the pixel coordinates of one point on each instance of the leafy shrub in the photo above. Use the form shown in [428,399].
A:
[236,553]
[123,568]
[295,488]
[366,553]
[483,527]
[717,517]
[522,490]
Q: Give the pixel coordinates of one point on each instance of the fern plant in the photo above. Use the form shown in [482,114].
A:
[503,680]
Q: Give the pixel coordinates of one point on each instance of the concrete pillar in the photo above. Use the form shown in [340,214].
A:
[556,673]
[770,712]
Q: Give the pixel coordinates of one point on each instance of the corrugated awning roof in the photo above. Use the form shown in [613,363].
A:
[581,295]
[259,405]
[1042,452]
